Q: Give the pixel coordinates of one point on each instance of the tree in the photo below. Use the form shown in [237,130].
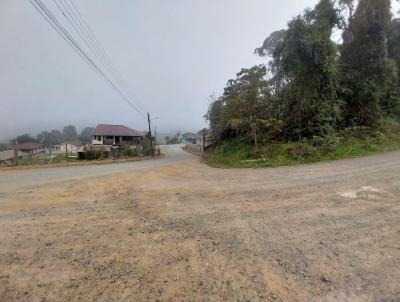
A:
[304,75]
[24,138]
[366,72]
[54,137]
[85,135]
[69,132]
[393,44]
[242,111]
[214,116]
[392,104]
[312,87]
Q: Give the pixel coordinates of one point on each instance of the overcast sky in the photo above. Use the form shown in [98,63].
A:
[172,53]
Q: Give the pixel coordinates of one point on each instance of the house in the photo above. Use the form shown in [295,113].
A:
[7,157]
[60,148]
[31,148]
[115,135]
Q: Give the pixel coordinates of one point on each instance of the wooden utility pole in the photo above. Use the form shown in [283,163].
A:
[151,139]
[66,152]
[15,153]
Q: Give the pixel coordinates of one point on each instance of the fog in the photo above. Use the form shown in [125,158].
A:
[173,55]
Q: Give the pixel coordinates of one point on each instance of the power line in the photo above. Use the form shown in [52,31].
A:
[92,40]
[63,32]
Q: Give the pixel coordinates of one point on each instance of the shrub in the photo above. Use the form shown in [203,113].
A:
[325,143]
[132,152]
[302,151]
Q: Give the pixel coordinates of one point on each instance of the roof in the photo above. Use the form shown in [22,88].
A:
[29,146]
[9,154]
[115,130]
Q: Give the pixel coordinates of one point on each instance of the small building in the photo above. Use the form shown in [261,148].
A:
[68,147]
[31,148]
[60,148]
[7,157]
[116,135]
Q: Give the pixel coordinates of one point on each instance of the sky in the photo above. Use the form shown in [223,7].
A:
[172,54]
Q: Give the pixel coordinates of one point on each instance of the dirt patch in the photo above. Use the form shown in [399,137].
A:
[188,232]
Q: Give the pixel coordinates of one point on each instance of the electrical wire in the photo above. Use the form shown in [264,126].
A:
[67,37]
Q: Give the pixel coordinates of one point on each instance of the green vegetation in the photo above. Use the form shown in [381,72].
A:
[351,142]
[318,99]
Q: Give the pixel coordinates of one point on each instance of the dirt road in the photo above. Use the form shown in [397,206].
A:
[12,180]
[189,232]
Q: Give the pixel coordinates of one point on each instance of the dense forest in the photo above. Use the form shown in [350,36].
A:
[315,91]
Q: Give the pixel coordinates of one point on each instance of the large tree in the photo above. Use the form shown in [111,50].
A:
[69,132]
[394,43]
[24,138]
[366,72]
[304,75]
[85,135]
[54,137]
[244,110]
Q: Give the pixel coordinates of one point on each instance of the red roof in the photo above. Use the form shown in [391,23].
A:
[115,130]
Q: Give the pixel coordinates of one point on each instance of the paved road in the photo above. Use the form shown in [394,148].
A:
[12,180]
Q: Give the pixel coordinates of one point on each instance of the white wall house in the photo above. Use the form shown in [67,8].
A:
[115,135]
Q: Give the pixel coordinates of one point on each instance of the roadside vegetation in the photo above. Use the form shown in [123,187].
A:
[351,142]
[315,99]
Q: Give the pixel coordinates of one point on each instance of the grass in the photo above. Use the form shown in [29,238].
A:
[350,143]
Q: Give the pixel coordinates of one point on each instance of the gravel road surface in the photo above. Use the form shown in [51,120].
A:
[11,180]
[183,231]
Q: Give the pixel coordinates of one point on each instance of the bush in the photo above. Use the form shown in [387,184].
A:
[302,151]
[93,154]
[132,152]
[325,143]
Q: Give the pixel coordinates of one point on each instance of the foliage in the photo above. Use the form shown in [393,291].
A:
[366,71]
[313,89]
[126,150]
[132,152]
[54,137]
[85,135]
[69,133]
[299,99]
[24,138]
[352,142]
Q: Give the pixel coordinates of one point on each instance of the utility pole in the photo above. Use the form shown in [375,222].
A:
[15,153]
[151,139]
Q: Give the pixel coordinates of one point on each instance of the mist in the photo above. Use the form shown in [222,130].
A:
[172,54]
